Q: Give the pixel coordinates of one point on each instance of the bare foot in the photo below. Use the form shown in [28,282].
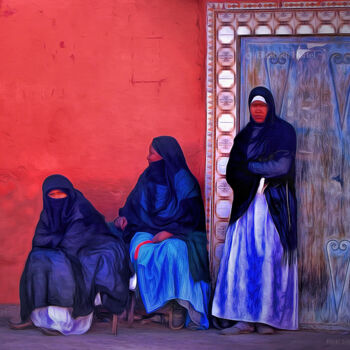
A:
[239,328]
[262,328]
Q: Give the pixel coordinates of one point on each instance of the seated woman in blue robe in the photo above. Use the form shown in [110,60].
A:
[75,263]
[163,219]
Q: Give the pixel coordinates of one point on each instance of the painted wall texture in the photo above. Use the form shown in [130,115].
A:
[85,85]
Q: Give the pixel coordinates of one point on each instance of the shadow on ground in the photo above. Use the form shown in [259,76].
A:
[155,336]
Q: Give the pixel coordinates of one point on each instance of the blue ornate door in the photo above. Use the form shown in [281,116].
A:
[310,80]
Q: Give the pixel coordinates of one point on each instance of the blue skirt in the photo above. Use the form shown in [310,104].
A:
[163,274]
[254,284]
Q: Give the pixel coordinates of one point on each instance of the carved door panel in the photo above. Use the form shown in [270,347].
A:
[310,80]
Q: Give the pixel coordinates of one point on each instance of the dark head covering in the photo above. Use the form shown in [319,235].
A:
[167,197]
[266,150]
[56,210]
[266,94]
[171,152]
[70,222]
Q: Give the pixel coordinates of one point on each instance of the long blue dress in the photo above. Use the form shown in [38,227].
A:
[254,285]
[167,197]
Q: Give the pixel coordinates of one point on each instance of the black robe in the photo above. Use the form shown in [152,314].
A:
[266,150]
[74,256]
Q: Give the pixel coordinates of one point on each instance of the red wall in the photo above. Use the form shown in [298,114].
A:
[85,85]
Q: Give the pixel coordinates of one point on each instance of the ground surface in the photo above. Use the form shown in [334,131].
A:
[155,336]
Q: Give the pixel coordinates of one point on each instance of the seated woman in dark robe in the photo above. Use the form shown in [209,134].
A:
[75,263]
[163,219]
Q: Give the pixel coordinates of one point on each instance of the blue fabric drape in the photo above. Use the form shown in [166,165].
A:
[163,274]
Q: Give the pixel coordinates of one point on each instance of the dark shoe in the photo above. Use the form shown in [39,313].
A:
[21,325]
[102,315]
[50,332]
[239,328]
[264,329]
[221,323]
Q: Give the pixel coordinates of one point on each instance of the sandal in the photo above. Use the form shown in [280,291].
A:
[21,325]
[50,332]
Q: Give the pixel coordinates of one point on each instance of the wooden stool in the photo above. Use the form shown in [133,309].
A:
[131,308]
[128,314]
[166,313]
[115,324]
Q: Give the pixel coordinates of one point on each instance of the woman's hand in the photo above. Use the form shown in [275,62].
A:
[161,236]
[262,186]
[121,222]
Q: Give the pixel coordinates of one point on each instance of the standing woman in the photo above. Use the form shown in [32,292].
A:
[257,281]
[75,263]
[163,219]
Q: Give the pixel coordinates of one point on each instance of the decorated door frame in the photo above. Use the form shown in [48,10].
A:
[226,23]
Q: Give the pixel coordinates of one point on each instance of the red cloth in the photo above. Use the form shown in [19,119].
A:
[138,248]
